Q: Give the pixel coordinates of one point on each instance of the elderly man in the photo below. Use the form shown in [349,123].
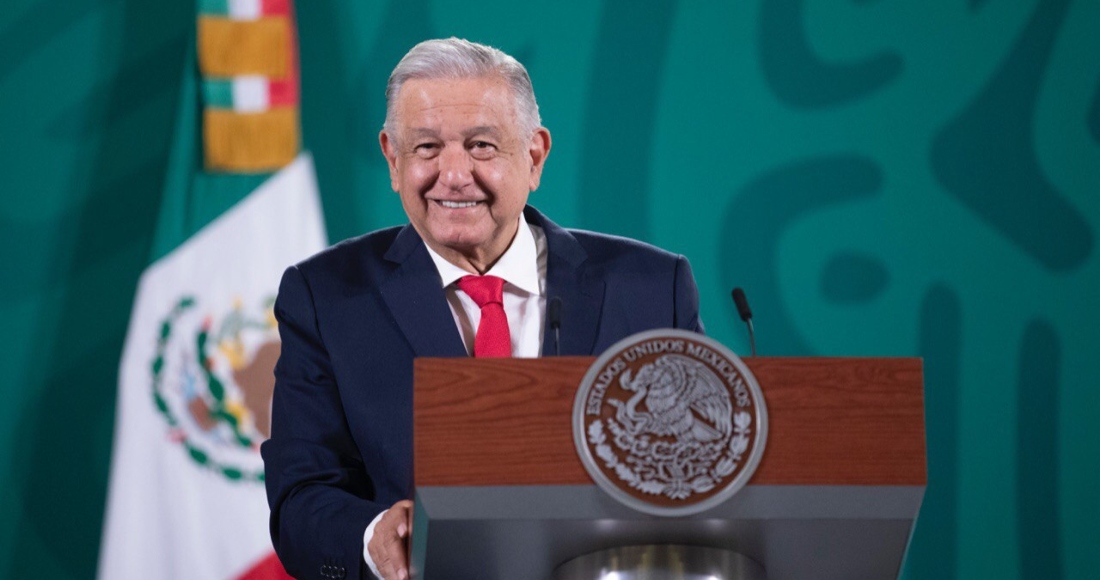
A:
[471,274]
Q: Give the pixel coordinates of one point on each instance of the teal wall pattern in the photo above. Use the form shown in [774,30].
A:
[883,179]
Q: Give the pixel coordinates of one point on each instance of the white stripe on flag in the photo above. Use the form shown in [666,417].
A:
[250,94]
[245,9]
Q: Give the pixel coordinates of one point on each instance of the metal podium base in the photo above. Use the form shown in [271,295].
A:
[661,562]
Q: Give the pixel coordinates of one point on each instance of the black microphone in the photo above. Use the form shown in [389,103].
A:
[745,313]
[553,318]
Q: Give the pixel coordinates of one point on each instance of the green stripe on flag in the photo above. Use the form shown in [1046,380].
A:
[217,93]
[214,7]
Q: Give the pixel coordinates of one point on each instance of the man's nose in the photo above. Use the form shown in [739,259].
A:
[455,167]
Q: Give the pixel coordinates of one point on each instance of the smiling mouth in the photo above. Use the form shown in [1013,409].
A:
[456,204]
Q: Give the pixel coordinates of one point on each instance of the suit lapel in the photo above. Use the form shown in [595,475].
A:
[567,278]
[415,298]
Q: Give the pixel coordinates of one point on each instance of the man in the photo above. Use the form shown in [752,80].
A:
[470,274]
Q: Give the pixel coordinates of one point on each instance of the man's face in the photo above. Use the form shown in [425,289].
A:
[462,165]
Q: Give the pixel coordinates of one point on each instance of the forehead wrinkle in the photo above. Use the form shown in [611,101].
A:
[422,100]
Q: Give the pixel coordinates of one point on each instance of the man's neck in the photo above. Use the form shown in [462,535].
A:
[478,261]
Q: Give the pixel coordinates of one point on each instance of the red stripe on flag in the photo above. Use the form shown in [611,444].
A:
[270,568]
[284,92]
[275,7]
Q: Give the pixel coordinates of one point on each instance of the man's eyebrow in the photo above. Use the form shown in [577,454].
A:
[482,130]
[423,132]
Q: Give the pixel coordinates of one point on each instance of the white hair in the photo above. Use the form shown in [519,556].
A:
[455,58]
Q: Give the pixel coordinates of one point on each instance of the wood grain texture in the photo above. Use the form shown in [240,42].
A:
[832,421]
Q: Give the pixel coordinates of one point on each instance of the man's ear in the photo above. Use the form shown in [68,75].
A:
[539,149]
[389,151]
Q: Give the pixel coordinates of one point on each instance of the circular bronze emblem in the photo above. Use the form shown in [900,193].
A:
[670,422]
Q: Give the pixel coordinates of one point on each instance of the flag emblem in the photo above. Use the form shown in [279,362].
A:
[212,383]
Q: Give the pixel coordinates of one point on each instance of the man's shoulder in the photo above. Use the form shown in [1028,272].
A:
[356,255]
[612,253]
[600,248]
[609,245]
[369,247]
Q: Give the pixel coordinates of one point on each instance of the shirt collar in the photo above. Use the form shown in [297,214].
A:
[518,265]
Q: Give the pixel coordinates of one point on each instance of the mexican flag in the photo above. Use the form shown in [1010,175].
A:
[186,495]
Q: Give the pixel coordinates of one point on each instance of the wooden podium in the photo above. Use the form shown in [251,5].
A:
[501,493]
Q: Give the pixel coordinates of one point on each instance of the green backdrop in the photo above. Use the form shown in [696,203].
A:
[883,178]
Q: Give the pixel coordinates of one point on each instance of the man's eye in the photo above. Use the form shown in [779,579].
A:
[426,149]
[482,148]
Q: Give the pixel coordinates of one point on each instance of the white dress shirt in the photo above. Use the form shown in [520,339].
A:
[523,269]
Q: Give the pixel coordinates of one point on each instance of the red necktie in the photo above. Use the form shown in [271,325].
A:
[493,338]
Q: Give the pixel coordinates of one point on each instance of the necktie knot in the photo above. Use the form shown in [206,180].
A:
[483,289]
[493,337]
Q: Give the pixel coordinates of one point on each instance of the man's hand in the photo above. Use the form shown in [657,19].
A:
[388,545]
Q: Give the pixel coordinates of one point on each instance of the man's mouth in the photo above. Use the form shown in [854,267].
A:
[456,204]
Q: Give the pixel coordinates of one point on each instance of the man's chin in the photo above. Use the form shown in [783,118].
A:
[463,243]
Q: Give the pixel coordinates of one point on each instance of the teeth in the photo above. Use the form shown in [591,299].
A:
[458,204]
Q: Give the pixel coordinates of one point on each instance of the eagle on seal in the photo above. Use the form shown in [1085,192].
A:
[683,399]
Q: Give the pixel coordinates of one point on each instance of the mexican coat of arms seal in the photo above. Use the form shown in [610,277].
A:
[670,422]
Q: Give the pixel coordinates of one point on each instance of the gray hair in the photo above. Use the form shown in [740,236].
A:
[455,58]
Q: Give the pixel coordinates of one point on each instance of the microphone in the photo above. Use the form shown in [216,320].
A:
[553,318]
[745,313]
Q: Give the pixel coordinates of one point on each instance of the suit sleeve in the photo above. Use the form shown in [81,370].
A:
[316,483]
[686,298]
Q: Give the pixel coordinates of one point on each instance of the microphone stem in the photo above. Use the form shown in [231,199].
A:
[752,337]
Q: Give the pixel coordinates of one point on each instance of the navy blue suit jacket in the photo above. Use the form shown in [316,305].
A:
[352,319]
